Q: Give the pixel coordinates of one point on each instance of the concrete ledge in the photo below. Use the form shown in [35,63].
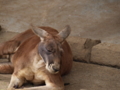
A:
[93,51]
[106,54]
[81,47]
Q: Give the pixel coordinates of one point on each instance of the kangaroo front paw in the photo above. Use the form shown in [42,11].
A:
[15,82]
[16,86]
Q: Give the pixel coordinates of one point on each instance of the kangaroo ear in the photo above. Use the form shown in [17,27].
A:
[39,32]
[64,33]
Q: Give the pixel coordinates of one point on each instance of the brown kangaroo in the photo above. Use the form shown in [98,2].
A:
[38,55]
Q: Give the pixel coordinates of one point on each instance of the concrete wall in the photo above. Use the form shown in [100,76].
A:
[96,19]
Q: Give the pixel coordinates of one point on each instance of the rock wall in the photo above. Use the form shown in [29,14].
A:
[93,51]
[95,19]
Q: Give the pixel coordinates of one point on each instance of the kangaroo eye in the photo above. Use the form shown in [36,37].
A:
[49,50]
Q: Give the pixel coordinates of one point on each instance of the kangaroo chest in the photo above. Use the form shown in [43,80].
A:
[36,73]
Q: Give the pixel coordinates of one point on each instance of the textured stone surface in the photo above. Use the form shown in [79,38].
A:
[0,28]
[81,47]
[93,77]
[4,81]
[106,53]
[4,36]
[95,19]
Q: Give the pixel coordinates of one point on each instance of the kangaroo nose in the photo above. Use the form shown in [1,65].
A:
[56,69]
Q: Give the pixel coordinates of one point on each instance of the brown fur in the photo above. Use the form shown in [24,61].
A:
[6,68]
[28,64]
[8,48]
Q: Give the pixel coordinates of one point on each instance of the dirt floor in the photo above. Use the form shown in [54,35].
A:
[84,77]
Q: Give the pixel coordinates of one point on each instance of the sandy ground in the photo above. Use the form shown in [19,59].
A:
[84,77]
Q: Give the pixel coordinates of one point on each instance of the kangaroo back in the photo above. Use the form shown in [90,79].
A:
[8,48]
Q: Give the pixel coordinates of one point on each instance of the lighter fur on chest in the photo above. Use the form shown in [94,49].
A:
[36,72]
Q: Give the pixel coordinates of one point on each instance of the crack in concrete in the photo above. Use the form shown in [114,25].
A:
[112,66]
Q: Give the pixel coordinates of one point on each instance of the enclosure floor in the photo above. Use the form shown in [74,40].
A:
[84,77]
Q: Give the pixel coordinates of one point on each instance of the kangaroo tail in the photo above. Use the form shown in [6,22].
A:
[6,68]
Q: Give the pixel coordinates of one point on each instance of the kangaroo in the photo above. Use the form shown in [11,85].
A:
[40,55]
